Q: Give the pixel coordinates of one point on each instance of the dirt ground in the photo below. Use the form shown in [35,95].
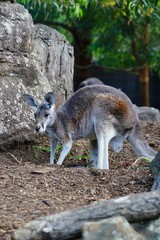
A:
[30,188]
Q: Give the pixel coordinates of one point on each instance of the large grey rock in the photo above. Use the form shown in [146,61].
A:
[150,230]
[154,228]
[148,113]
[114,228]
[55,58]
[33,59]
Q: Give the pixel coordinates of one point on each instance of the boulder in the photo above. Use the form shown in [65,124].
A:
[148,113]
[153,227]
[118,227]
[34,59]
[150,230]
[114,228]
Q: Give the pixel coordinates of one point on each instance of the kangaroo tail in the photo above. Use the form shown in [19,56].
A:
[139,143]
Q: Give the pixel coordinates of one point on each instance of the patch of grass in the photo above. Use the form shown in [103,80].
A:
[58,149]
[47,149]
[36,149]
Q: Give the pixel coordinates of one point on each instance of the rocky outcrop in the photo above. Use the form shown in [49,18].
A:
[118,227]
[148,113]
[34,59]
[55,58]
[139,219]
[114,228]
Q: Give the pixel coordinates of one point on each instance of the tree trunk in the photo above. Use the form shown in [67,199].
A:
[139,51]
[144,71]
[68,225]
[82,59]
[144,85]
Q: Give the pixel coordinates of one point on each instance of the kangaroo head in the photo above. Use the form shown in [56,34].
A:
[45,112]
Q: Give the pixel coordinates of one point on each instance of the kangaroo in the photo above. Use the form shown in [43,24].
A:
[90,81]
[100,113]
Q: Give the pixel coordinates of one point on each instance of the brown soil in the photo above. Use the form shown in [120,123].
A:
[31,188]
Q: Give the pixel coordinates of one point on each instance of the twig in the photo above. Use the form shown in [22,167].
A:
[14,157]
[138,160]
[10,154]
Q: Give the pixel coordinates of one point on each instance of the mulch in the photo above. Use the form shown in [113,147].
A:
[31,188]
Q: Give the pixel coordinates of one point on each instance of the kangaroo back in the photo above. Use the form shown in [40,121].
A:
[99,102]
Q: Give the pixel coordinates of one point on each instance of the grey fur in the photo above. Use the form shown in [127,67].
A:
[90,81]
[100,113]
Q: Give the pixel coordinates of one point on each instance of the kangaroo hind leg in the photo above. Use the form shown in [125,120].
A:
[104,135]
[93,152]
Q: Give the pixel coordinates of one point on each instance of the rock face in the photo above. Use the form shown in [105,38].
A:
[55,58]
[148,113]
[118,227]
[34,59]
[114,228]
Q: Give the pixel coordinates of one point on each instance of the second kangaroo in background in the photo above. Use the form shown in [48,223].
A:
[90,81]
[100,113]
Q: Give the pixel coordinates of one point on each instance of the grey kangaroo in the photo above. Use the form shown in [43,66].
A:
[100,113]
[90,81]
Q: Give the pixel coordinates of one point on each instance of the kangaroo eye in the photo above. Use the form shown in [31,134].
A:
[46,115]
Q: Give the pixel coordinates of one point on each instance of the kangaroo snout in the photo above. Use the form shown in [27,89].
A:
[40,127]
[37,128]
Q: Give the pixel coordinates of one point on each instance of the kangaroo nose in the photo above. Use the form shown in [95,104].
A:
[37,129]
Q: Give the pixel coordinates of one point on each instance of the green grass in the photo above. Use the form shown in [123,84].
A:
[58,149]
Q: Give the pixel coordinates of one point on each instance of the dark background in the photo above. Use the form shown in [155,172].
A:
[128,83]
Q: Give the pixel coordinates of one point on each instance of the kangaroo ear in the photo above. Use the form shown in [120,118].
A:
[50,99]
[30,100]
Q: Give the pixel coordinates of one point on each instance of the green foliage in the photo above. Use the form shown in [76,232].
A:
[51,8]
[125,23]
[109,27]
[75,7]
[144,8]
[40,9]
